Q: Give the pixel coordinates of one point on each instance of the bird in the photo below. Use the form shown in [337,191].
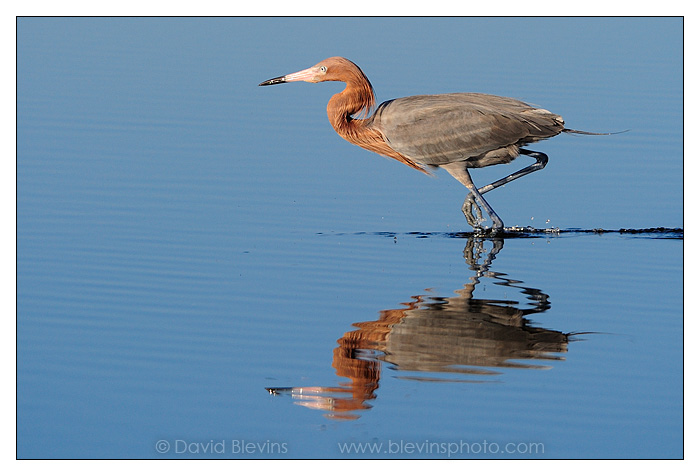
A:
[454,131]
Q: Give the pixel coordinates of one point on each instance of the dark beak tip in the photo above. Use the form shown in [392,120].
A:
[272,81]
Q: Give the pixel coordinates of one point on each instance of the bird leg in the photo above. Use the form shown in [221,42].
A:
[470,202]
[459,171]
[540,162]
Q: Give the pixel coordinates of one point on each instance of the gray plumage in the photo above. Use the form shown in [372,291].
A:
[478,129]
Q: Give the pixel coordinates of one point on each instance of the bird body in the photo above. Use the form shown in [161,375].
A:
[478,129]
[453,131]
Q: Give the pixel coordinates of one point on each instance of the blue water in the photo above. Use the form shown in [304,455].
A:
[187,240]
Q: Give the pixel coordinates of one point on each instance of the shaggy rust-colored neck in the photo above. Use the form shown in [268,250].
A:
[358,97]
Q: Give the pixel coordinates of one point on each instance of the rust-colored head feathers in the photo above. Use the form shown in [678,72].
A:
[359,93]
[349,110]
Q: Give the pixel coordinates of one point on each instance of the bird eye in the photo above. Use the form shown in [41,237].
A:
[323,69]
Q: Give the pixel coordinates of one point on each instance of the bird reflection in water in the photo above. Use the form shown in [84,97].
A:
[457,338]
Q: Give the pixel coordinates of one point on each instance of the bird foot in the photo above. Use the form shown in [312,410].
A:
[476,221]
[468,209]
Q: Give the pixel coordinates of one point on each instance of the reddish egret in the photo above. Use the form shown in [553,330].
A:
[453,131]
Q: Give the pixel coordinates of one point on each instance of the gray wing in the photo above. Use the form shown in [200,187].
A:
[445,128]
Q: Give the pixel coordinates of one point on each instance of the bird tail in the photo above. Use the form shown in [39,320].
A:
[574,131]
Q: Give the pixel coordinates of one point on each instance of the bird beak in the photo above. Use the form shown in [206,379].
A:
[308,75]
[273,81]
